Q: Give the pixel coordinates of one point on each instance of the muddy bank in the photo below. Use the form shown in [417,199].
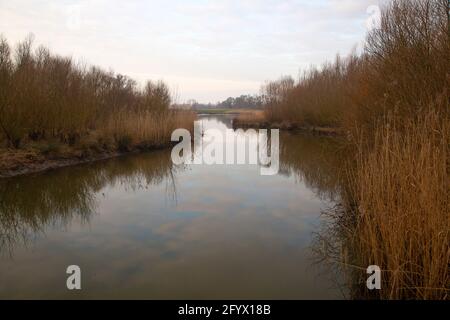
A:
[21,162]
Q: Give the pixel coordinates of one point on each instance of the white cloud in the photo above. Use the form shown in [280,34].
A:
[209,50]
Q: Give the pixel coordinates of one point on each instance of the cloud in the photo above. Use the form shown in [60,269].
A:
[223,43]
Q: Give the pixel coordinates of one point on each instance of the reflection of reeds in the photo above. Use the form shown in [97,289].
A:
[30,203]
[314,160]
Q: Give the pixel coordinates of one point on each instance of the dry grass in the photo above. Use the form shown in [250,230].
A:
[404,67]
[392,102]
[401,188]
[147,130]
[44,97]
[52,107]
[250,118]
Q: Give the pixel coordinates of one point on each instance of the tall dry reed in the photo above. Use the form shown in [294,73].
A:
[45,97]
[404,67]
[147,129]
[401,191]
[393,103]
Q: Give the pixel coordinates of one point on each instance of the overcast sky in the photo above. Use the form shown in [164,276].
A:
[205,50]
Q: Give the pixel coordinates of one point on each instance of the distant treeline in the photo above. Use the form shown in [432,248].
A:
[241,102]
[44,97]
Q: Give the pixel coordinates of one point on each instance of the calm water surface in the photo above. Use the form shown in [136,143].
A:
[141,227]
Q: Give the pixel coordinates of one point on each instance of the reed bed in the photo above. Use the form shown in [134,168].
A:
[51,104]
[392,104]
[147,130]
[250,118]
[404,67]
[401,189]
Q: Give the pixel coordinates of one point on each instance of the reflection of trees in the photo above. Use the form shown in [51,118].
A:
[330,249]
[323,164]
[335,251]
[316,161]
[326,172]
[30,203]
[320,163]
[225,119]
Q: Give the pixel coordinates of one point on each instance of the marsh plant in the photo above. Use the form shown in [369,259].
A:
[46,97]
[391,104]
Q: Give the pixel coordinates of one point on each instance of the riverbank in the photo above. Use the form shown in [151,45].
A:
[257,119]
[31,160]
[55,112]
[137,134]
[229,111]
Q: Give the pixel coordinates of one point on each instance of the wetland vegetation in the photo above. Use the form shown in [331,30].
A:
[390,105]
[55,111]
[375,193]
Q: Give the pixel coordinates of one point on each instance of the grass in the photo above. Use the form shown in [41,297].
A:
[251,118]
[119,135]
[400,188]
[403,68]
[147,130]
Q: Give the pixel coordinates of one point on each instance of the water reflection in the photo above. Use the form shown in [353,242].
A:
[315,161]
[29,203]
[140,227]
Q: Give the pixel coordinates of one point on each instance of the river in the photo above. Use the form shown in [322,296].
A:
[139,226]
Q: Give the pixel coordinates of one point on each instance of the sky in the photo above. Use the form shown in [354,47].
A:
[204,50]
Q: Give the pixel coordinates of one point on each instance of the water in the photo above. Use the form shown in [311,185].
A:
[140,227]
